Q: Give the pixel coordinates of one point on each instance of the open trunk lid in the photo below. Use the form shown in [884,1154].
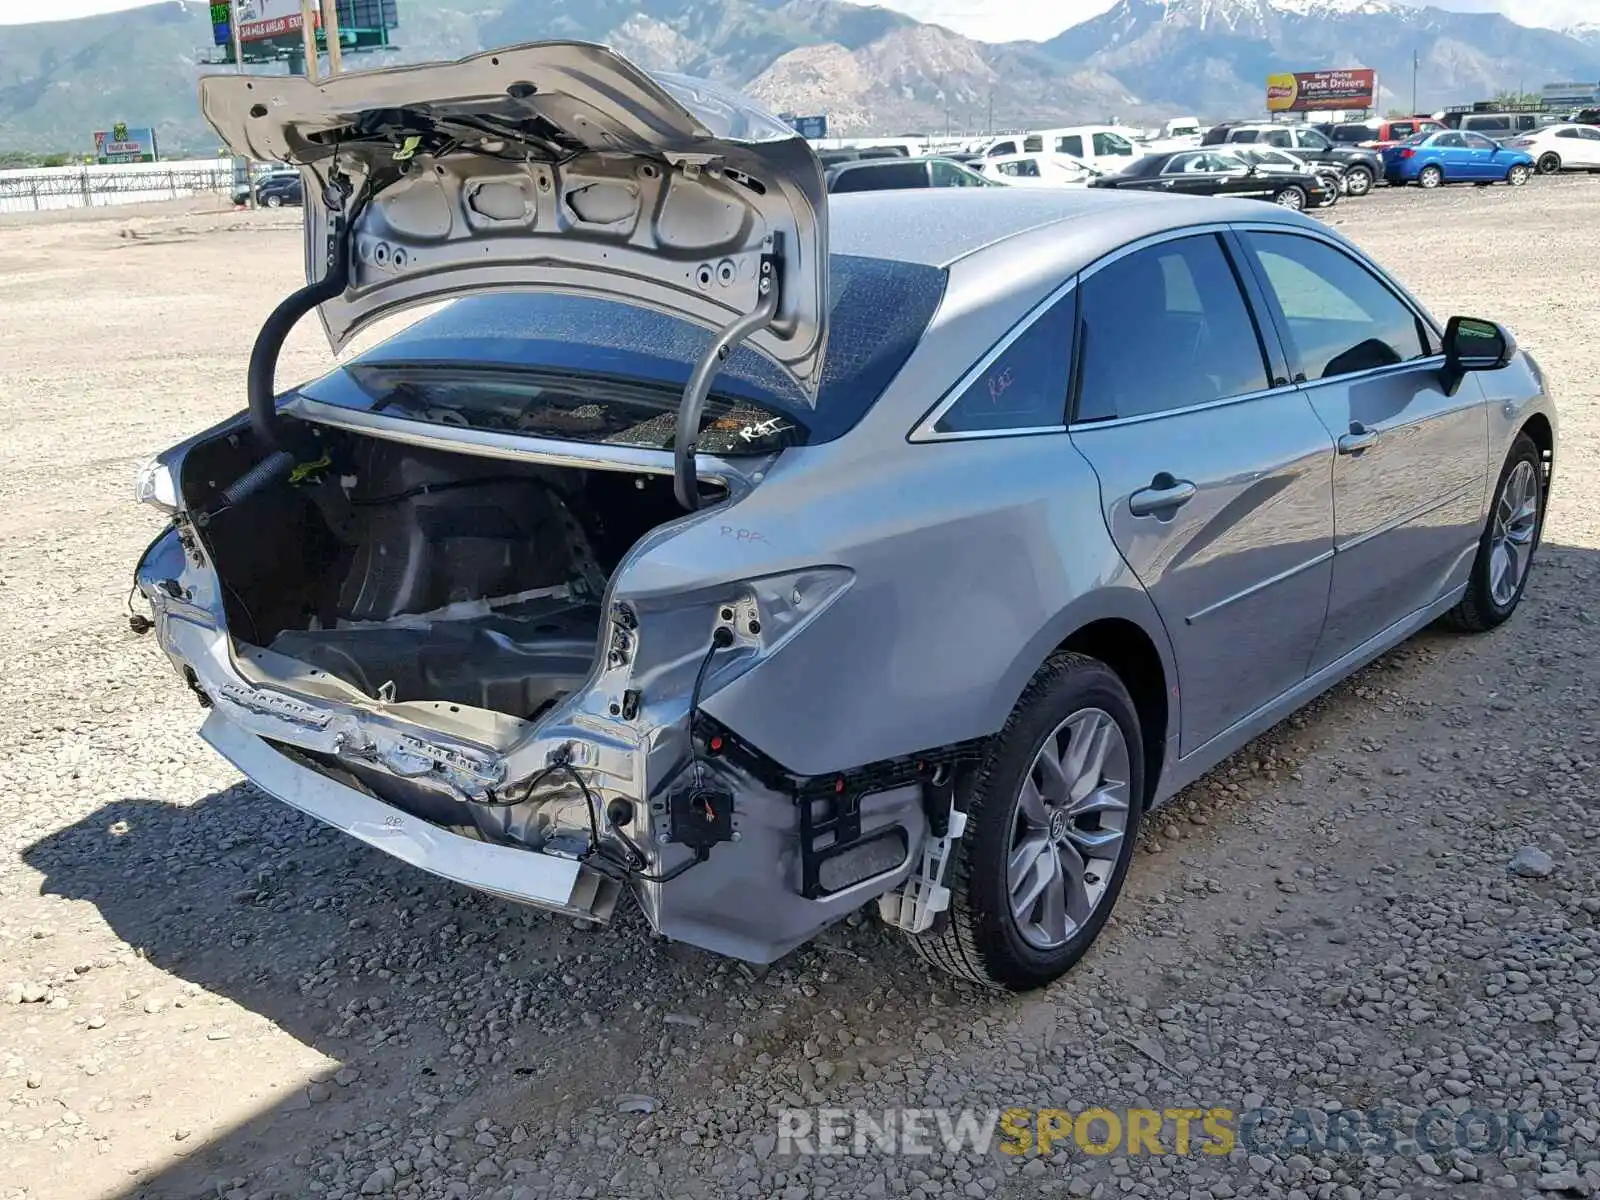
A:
[552,166]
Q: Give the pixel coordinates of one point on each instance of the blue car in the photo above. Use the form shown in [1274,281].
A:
[1451,156]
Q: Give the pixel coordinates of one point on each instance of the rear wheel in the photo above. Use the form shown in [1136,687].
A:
[1505,551]
[1051,821]
[1549,162]
[1358,181]
[274,202]
[1330,185]
[1518,175]
[1293,196]
[1430,177]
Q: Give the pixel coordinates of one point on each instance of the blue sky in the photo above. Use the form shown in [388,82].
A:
[993,20]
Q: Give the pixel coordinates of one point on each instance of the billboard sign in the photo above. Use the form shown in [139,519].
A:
[810,128]
[121,144]
[1316,91]
[259,19]
[1571,94]
[360,21]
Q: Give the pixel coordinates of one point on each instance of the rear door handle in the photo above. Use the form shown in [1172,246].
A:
[1358,439]
[1162,498]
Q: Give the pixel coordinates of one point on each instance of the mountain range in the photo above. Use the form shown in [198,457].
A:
[869,69]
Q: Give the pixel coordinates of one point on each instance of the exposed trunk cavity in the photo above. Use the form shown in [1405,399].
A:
[415,574]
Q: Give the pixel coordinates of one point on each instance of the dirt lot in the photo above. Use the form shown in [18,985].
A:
[203,994]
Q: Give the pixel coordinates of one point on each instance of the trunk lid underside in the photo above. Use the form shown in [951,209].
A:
[554,165]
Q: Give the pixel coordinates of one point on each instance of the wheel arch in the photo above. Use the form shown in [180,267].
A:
[1543,434]
[1131,653]
[1119,626]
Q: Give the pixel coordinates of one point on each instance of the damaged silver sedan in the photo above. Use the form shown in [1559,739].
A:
[901,619]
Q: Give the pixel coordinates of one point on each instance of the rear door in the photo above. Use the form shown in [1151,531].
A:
[1409,473]
[1215,474]
[1449,150]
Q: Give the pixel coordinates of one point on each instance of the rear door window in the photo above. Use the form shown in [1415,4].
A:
[948,174]
[1070,145]
[1340,317]
[1165,328]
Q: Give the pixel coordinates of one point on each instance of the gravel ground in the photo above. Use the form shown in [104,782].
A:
[204,994]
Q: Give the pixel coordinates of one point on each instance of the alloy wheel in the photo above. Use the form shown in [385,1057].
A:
[1068,827]
[1358,182]
[1517,176]
[1292,197]
[1431,177]
[1549,163]
[1516,521]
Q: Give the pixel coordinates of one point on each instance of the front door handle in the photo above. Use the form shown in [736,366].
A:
[1162,498]
[1358,439]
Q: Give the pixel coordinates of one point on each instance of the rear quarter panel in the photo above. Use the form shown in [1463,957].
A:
[972,561]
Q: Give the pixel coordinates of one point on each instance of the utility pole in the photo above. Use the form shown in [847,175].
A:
[238,40]
[1415,63]
[308,35]
[241,165]
[330,34]
[989,128]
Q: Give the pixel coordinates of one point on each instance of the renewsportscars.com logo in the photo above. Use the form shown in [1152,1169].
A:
[1101,1131]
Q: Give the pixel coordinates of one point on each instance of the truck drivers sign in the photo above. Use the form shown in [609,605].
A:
[1313,91]
[121,144]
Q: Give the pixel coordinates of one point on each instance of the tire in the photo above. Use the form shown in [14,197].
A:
[1518,175]
[1481,608]
[1292,197]
[981,938]
[1332,186]
[1430,177]
[1549,163]
[1358,181]
[274,202]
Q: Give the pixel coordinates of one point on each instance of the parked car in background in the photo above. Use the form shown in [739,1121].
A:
[1009,144]
[1433,159]
[1038,170]
[878,175]
[1376,135]
[1497,126]
[1281,162]
[1104,147]
[279,189]
[1216,172]
[1363,168]
[242,192]
[905,557]
[833,158]
[1561,148]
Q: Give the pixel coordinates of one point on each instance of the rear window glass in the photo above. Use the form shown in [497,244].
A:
[878,312]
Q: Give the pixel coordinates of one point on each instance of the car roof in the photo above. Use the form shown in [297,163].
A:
[939,227]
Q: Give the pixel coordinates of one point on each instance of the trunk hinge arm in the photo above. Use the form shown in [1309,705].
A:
[685,482]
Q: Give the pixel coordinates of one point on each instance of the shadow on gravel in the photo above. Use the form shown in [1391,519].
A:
[451,1006]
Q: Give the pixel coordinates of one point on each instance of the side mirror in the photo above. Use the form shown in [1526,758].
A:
[1473,344]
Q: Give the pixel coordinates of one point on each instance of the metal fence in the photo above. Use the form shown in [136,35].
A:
[32,190]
